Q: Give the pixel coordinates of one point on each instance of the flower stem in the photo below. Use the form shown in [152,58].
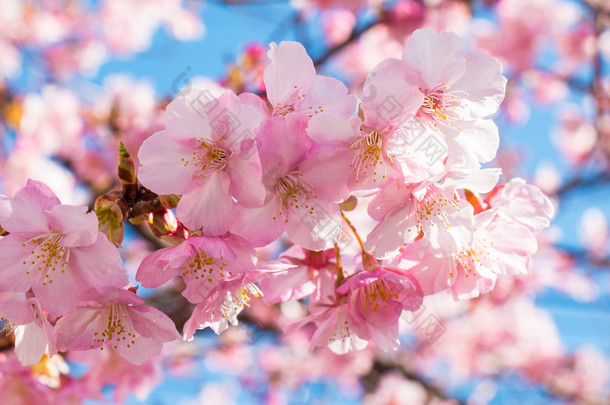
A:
[340,275]
[348,222]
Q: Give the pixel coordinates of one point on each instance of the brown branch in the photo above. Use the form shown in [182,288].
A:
[582,182]
[380,367]
[584,256]
[354,36]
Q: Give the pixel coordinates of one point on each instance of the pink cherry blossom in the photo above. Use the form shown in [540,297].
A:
[459,90]
[56,250]
[223,304]
[202,261]
[303,280]
[208,155]
[229,297]
[333,328]
[33,333]
[293,86]
[303,189]
[499,247]
[523,203]
[118,320]
[405,211]
[376,299]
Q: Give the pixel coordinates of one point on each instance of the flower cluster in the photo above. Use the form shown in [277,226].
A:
[250,169]
[58,269]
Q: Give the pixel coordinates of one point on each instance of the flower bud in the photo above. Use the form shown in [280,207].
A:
[127,171]
[162,222]
[111,213]
[169,201]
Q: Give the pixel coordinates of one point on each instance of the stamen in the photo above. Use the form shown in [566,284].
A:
[369,156]
[48,256]
[444,103]
[204,266]
[295,192]
[118,327]
[209,157]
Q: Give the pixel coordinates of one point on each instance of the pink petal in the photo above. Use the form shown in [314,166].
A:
[246,184]
[152,323]
[189,117]
[245,255]
[16,276]
[290,69]
[260,226]
[315,228]
[98,264]
[329,96]
[30,343]
[438,57]
[396,229]
[215,246]
[395,103]
[15,307]
[334,130]
[394,194]
[75,331]
[154,272]
[78,227]
[483,82]
[294,284]
[28,206]
[328,175]
[478,139]
[479,181]
[138,350]
[279,152]
[163,169]
[209,206]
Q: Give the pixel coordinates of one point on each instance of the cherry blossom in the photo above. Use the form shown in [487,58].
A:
[202,154]
[33,333]
[118,320]
[56,250]
[202,262]
[376,299]
[303,187]
[293,86]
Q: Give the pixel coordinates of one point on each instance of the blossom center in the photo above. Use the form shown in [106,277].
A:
[118,327]
[295,192]
[442,104]
[369,156]
[435,205]
[48,256]
[240,299]
[203,266]
[375,294]
[208,157]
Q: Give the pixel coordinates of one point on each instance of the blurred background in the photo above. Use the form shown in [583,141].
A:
[78,77]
